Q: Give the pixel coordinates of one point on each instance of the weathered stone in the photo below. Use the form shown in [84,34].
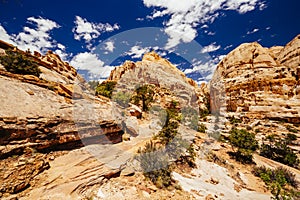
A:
[258,83]
[135,111]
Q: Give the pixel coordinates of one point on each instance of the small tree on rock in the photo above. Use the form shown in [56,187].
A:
[245,144]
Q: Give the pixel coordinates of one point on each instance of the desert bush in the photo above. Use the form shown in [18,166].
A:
[279,181]
[291,129]
[277,149]
[154,162]
[290,137]
[16,62]
[157,157]
[234,120]
[190,157]
[122,98]
[143,96]
[105,88]
[202,128]
[93,84]
[203,113]
[245,143]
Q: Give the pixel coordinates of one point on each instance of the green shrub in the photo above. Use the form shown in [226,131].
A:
[291,129]
[155,164]
[122,98]
[204,113]
[277,149]
[279,181]
[245,143]
[105,88]
[234,120]
[93,84]
[16,62]
[290,137]
[202,128]
[143,96]
[157,157]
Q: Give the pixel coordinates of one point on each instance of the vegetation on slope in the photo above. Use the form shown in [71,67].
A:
[16,62]
[158,156]
[245,144]
[281,182]
[277,149]
[105,88]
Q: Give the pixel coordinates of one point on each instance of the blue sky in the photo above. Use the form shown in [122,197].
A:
[95,36]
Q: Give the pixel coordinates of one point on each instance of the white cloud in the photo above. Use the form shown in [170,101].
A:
[253,31]
[210,48]
[38,38]
[262,6]
[227,47]
[88,30]
[206,69]
[137,51]
[109,46]
[60,46]
[90,62]
[187,15]
[204,26]
[4,36]
[62,54]
[140,19]
[209,32]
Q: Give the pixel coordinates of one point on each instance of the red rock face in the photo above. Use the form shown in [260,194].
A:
[259,82]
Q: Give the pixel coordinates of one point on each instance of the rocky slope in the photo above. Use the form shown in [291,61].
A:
[36,116]
[60,141]
[157,71]
[42,118]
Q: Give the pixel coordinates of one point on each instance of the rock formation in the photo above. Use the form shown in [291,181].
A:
[36,115]
[60,141]
[259,83]
[157,71]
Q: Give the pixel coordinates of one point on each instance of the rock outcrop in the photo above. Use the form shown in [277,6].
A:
[157,71]
[43,117]
[44,114]
[60,141]
[259,83]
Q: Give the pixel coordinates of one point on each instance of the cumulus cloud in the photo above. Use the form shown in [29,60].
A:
[89,30]
[187,15]
[210,48]
[36,38]
[90,62]
[109,46]
[137,51]
[4,36]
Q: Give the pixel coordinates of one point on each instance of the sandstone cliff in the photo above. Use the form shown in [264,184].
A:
[259,83]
